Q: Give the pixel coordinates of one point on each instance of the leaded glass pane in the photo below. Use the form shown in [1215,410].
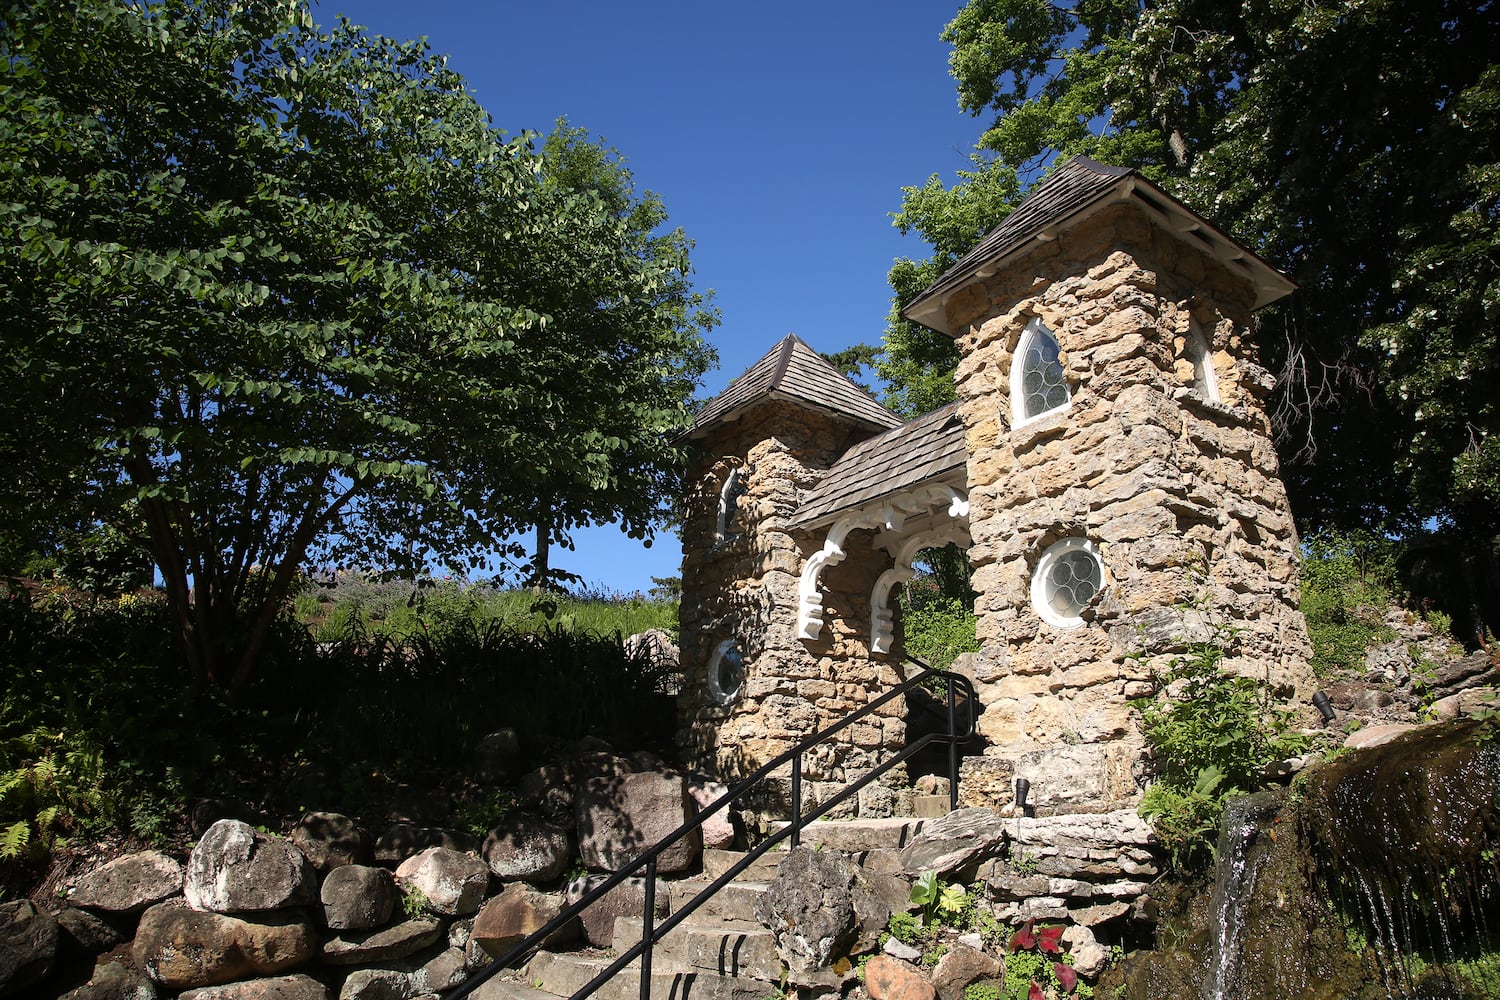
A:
[1042,383]
[1072,582]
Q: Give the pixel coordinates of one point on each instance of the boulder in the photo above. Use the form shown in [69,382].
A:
[129,884]
[548,791]
[889,979]
[294,987]
[525,847]
[1089,956]
[453,884]
[960,966]
[357,897]
[28,945]
[382,945]
[93,933]
[234,869]
[114,980]
[620,817]
[330,840]
[415,978]
[402,840]
[718,829]
[954,844]
[181,947]
[377,984]
[513,915]
[628,899]
[818,911]
[496,756]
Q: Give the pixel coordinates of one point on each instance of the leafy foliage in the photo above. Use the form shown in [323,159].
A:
[288,291]
[937,627]
[1348,581]
[1037,968]
[1212,734]
[1352,146]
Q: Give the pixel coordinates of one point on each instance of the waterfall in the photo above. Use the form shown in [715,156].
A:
[1234,884]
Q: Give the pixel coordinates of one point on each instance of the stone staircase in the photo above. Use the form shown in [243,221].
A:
[720,952]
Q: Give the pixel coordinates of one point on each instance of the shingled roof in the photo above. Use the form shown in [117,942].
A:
[795,372]
[1067,196]
[930,448]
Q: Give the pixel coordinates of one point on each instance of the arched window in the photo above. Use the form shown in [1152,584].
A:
[1197,350]
[1067,577]
[1036,375]
[726,672]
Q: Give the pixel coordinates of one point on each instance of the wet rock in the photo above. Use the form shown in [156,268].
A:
[28,945]
[330,840]
[129,884]
[357,897]
[525,847]
[181,947]
[1374,736]
[452,883]
[234,869]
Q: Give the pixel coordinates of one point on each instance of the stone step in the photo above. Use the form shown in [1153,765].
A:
[725,947]
[564,974]
[735,901]
[856,836]
[717,862]
[503,987]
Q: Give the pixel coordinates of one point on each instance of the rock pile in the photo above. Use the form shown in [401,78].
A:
[330,911]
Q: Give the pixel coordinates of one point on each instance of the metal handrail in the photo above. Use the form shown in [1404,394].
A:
[651,932]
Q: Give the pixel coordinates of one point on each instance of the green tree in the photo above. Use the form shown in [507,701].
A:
[287,290]
[1352,145]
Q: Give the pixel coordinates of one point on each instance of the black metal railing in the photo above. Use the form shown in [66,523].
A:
[960,703]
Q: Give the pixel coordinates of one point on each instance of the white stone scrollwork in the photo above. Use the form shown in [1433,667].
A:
[882,617]
[890,516]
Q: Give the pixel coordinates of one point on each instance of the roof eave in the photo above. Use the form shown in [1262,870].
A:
[930,308]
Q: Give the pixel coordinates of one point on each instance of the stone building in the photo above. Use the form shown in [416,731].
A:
[1108,466]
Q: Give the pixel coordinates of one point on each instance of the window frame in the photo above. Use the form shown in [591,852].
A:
[1034,329]
[1053,554]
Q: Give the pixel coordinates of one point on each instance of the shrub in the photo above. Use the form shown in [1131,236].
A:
[1347,585]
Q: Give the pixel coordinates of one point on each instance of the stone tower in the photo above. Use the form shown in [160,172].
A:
[751,687]
[1124,492]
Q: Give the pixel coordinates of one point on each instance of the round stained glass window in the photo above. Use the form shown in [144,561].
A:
[726,672]
[1067,578]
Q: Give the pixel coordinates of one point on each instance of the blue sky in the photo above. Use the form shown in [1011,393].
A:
[778,135]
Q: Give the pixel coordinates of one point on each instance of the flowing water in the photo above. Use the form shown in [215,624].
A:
[1375,879]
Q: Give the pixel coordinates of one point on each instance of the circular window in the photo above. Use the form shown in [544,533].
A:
[726,672]
[1066,580]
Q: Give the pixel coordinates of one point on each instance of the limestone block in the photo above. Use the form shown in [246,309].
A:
[234,869]
[181,947]
[129,884]
[452,883]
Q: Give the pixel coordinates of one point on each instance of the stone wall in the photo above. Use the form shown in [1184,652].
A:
[744,586]
[1179,493]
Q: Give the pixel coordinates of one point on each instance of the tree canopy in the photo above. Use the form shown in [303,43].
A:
[1351,145]
[286,292]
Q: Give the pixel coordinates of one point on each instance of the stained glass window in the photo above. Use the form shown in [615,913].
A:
[1037,384]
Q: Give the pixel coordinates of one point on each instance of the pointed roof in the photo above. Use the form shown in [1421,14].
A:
[1066,197]
[929,449]
[795,372]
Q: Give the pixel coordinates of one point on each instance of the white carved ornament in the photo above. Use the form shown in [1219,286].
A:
[890,515]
